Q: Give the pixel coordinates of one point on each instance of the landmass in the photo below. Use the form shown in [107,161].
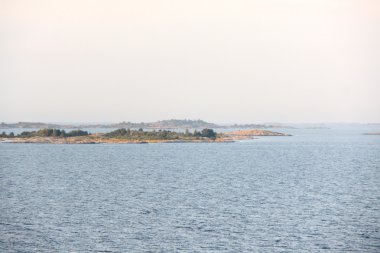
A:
[162,124]
[378,133]
[254,132]
[123,135]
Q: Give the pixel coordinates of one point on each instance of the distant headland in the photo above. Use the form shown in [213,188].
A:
[162,124]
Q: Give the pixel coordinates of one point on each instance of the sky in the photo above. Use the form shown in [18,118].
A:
[235,61]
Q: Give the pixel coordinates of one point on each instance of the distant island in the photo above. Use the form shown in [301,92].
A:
[123,135]
[377,133]
[254,132]
[163,124]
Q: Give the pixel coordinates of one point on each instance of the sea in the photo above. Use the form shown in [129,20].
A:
[315,191]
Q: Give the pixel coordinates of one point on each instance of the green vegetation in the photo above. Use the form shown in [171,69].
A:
[46,132]
[209,133]
[4,135]
[122,133]
[140,134]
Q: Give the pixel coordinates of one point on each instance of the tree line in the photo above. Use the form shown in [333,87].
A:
[160,134]
[46,132]
[119,133]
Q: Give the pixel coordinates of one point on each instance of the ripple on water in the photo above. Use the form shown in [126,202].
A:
[293,195]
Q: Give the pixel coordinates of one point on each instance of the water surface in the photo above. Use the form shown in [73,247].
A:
[317,191]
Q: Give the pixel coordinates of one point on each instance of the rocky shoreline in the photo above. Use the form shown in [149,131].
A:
[97,140]
[102,139]
[251,134]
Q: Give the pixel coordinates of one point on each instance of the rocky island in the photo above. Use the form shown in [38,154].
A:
[255,132]
[122,135]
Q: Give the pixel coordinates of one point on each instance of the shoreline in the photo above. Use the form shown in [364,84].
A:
[100,138]
[70,140]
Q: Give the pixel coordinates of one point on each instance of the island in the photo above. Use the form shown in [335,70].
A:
[136,136]
[162,124]
[244,134]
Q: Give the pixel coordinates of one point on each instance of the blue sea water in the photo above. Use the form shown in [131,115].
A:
[317,191]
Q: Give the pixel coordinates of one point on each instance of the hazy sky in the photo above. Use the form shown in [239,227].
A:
[221,61]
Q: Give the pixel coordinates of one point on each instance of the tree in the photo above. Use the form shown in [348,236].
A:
[122,131]
[77,133]
[209,133]
[56,132]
